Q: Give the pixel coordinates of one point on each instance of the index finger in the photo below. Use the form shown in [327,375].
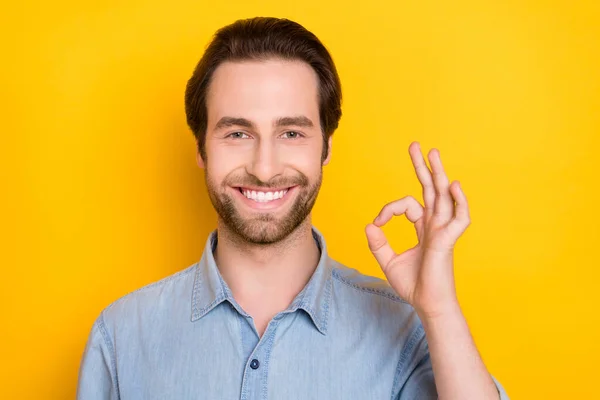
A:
[424,175]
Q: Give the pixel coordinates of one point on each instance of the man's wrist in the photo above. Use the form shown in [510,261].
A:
[450,311]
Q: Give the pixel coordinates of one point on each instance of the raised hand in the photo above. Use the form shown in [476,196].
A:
[424,275]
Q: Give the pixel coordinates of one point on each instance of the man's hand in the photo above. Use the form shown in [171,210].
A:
[424,274]
[424,277]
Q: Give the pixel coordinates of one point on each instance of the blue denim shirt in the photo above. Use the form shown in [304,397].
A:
[345,336]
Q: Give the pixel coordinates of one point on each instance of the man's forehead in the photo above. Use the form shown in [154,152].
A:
[277,91]
[259,76]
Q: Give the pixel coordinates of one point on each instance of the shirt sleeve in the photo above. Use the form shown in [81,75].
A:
[97,378]
[501,391]
[421,384]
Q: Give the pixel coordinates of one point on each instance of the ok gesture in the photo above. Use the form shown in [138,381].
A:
[424,275]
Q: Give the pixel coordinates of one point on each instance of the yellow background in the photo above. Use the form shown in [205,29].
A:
[101,193]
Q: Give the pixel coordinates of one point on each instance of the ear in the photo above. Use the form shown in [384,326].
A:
[199,160]
[326,161]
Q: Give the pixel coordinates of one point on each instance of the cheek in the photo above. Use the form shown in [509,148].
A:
[221,160]
[217,168]
[307,162]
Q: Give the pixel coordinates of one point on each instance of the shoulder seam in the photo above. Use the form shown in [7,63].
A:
[152,285]
[111,350]
[390,296]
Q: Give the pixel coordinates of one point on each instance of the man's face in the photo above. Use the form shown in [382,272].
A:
[263,165]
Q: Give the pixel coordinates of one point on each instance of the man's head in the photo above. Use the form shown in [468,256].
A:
[263,103]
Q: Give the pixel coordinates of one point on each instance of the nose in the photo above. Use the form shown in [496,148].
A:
[265,163]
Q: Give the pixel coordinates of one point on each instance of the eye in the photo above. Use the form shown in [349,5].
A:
[292,135]
[238,135]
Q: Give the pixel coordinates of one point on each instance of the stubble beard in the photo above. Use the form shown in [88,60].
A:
[263,228]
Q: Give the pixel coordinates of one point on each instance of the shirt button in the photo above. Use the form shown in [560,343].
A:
[254,364]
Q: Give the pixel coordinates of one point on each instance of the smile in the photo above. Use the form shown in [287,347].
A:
[265,200]
[263,197]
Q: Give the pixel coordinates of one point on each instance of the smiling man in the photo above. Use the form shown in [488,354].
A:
[266,313]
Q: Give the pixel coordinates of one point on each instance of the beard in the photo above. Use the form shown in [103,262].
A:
[263,228]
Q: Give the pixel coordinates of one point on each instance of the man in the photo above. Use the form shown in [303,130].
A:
[266,314]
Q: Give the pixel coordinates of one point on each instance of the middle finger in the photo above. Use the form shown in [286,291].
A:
[444,204]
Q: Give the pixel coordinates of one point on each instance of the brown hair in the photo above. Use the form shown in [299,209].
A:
[262,38]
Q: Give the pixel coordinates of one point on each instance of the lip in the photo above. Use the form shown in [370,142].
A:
[266,206]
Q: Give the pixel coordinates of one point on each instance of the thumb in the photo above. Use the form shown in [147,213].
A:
[379,246]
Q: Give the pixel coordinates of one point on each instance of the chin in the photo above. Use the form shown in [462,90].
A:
[263,223]
[265,231]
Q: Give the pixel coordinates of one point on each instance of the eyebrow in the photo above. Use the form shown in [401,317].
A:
[227,122]
[300,120]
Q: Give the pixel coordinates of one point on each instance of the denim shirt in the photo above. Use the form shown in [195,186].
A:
[346,335]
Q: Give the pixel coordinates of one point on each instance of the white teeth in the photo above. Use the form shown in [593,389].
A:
[263,197]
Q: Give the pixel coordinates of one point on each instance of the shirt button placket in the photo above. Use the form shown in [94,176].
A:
[252,386]
[255,372]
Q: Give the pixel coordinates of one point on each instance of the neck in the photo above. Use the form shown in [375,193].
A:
[264,279]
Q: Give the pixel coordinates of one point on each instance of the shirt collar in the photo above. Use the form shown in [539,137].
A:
[209,289]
